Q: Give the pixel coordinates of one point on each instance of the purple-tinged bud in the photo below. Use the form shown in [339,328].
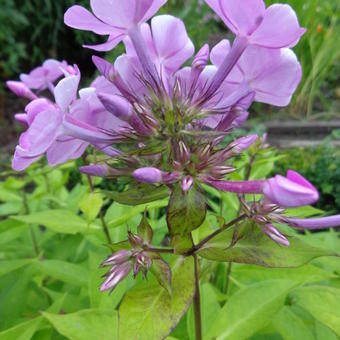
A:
[148,175]
[20,89]
[291,191]
[314,223]
[184,153]
[21,118]
[117,258]
[187,183]
[135,240]
[220,171]
[115,276]
[260,219]
[243,143]
[142,263]
[240,120]
[116,105]
[100,170]
[241,187]
[275,235]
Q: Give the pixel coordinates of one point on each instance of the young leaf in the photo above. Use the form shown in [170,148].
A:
[139,194]
[149,312]
[60,221]
[249,310]
[186,210]
[181,244]
[86,324]
[322,302]
[90,205]
[255,247]
[162,271]
[144,230]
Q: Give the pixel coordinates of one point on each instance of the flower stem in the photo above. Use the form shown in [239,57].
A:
[227,283]
[26,208]
[197,302]
[198,246]
[101,216]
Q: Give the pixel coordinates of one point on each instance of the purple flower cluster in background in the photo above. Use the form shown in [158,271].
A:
[161,122]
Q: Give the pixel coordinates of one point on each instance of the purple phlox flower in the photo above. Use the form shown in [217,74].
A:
[43,77]
[115,18]
[168,44]
[274,27]
[273,74]
[290,191]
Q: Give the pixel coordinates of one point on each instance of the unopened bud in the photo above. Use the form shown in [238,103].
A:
[116,105]
[243,143]
[20,89]
[275,235]
[184,152]
[187,183]
[148,175]
[99,170]
[135,240]
[117,258]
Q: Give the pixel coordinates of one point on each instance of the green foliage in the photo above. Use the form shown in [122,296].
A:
[52,243]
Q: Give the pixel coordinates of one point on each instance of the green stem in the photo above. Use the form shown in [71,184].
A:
[101,216]
[198,246]
[230,264]
[26,208]
[197,302]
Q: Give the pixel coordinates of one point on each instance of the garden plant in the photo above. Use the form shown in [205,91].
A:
[176,211]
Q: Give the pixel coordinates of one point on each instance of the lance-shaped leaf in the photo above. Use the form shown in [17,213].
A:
[162,271]
[254,247]
[186,210]
[139,194]
[144,230]
[149,312]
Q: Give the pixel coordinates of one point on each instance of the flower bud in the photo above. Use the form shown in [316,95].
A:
[117,258]
[116,105]
[99,170]
[243,143]
[291,191]
[148,175]
[187,183]
[115,276]
[275,235]
[20,89]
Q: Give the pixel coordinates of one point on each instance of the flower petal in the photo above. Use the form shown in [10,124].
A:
[66,91]
[279,28]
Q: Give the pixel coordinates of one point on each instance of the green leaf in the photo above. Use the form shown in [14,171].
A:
[7,195]
[132,212]
[64,271]
[148,312]
[12,265]
[250,310]
[22,331]
[139,194]
[255,247]
[90,205]
[247,274]
[290,326]
[162,271]
[97,298]
[186,210]
[322,302]
[86,324]
[304,212]
[322,332]
[60,221]
[144,230]
[10,208]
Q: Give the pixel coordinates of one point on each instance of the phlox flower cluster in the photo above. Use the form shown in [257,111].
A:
[161,111]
